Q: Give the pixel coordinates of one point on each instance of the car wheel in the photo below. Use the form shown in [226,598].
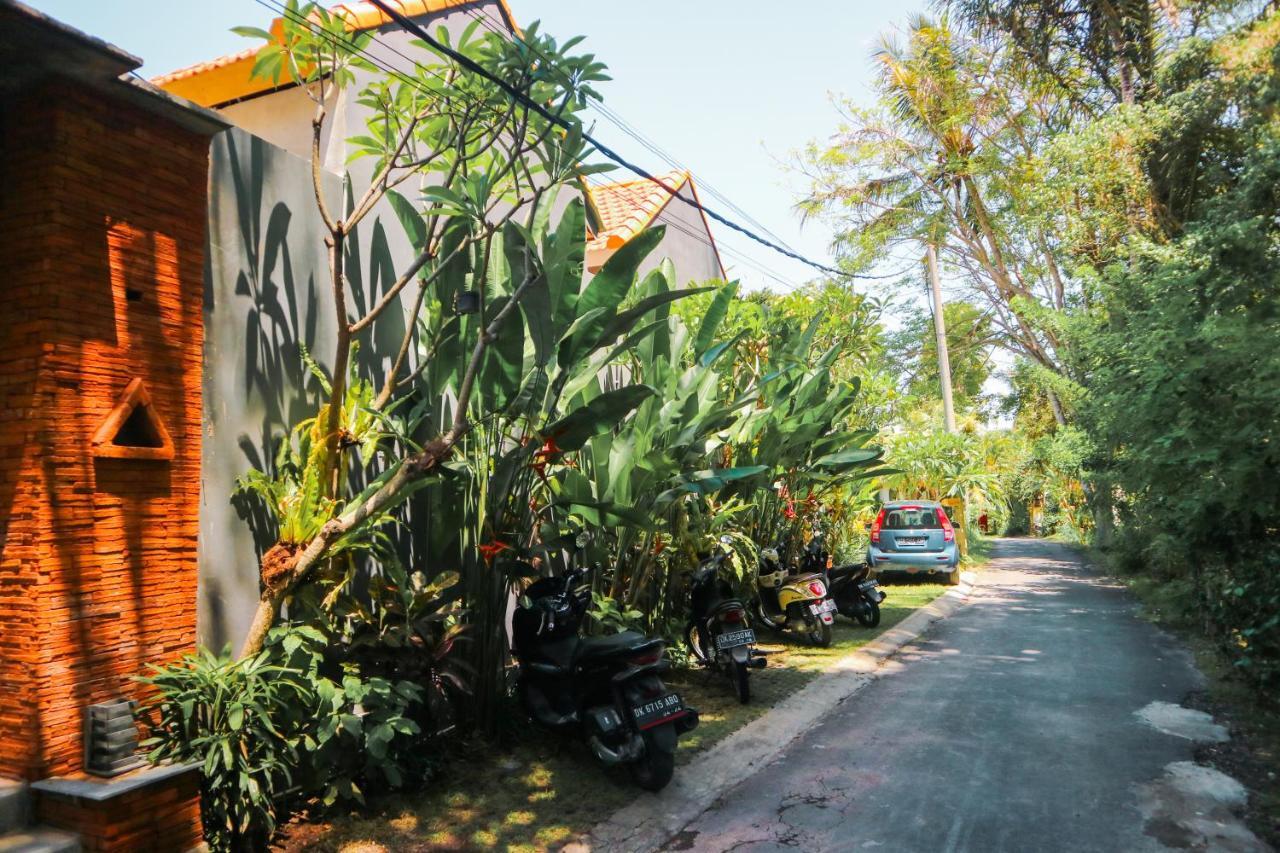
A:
[953,579]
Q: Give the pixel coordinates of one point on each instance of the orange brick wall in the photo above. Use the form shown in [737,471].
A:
[102,223]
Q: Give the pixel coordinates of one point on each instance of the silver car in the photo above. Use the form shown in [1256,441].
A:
[914,536]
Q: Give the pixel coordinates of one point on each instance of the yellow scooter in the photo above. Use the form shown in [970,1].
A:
[793,601]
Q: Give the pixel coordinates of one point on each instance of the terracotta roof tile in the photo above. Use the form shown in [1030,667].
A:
[626,208]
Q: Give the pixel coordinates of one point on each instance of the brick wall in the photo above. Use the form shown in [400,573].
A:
[146,819]
[102,234]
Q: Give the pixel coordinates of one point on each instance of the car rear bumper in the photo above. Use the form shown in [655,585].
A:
[944,560]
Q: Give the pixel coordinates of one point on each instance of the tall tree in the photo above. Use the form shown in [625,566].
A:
[943,158]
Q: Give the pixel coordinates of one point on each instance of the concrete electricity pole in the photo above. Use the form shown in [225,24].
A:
[940,329]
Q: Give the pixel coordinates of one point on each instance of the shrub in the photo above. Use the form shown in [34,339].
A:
[231,716]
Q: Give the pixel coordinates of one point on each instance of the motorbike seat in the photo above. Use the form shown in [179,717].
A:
[561,652]
[853,571]
[611,646]
[726,604]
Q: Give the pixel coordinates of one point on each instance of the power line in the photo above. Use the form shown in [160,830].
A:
[630,130]
[413,82]
[471,65]
[627,128]
[607,152]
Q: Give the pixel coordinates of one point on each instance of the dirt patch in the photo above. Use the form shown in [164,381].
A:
[1252,756]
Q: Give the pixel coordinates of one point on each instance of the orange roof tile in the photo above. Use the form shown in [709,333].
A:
[220,81]
[624,209]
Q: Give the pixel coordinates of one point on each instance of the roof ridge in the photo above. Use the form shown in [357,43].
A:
[229,77]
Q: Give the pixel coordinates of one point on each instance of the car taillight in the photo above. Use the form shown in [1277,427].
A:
[948,532]
[875,527]
[817,589]
[731,616]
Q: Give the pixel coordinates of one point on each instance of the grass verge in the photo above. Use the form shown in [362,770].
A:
[548,790]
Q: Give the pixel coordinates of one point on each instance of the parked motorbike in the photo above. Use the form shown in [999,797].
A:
[607,690]
[795,601]
[856,595]
[719,633]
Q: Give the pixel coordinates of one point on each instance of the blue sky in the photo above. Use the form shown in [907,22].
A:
[729,89]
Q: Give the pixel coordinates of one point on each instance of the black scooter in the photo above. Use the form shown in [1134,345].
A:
[719,632]
[607,690]
[855,594]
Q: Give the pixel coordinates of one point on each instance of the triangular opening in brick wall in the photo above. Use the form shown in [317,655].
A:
[133,430]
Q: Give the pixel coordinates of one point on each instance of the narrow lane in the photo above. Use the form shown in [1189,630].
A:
[1011,726]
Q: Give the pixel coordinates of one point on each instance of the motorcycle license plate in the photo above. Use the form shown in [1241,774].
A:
[867,586]
[824,606]
[657,711]
[733,639]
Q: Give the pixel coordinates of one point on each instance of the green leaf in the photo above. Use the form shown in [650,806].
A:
[410,219]
[624,322]
[253,33]
[600,415]
[503,364]
[716,313]
[609,286]
[849,457]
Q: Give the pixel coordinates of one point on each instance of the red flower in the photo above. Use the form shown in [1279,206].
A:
[492,549]
[547,454]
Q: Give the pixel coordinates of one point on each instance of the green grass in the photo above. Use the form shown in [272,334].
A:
[548,790]
[980,548]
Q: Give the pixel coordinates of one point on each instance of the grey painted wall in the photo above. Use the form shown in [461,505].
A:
[686,243]
[266,296]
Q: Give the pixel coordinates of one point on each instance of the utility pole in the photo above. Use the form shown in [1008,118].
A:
[940,329]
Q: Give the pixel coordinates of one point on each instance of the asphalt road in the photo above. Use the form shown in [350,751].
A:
[1010,726]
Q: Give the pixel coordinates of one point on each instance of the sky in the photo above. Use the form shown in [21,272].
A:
[728,89]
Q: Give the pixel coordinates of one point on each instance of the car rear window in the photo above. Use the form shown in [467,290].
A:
[912,518]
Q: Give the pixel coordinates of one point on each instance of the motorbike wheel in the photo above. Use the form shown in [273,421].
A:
[764,618]
[819,632]
[742,682]
[693,639]
[653,770]
[868,615]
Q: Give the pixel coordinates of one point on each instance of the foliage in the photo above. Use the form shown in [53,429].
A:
[914,353]
[613,617]
[346,702]
[932,464]
[226,714]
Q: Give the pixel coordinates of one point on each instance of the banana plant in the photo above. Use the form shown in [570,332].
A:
[551,394]
[800,435]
